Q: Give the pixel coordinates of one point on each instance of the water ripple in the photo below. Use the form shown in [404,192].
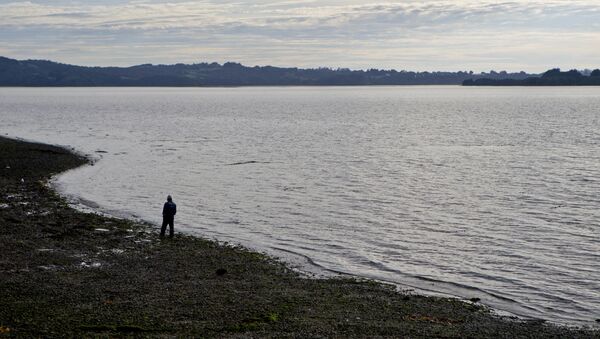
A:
[490,193]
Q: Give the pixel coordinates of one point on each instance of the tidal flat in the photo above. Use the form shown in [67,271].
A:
[64,273]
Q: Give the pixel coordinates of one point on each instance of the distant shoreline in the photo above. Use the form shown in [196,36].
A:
[36,73]
[553,77]
[223,86]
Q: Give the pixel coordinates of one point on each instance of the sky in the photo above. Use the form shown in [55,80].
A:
[438,35]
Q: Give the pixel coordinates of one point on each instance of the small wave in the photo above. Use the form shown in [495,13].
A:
[247,163]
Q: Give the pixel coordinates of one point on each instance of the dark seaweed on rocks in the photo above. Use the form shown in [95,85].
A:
[64,273]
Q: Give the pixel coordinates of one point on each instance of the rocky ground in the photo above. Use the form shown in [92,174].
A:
[64,273]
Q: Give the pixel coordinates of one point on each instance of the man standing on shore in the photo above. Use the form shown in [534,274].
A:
[169,211]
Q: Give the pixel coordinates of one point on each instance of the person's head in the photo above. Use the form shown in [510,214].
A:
[169,198]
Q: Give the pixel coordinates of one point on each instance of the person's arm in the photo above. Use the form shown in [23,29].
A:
[174,209]
[164,209]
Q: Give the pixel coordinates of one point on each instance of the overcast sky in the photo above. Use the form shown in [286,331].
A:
[528,35]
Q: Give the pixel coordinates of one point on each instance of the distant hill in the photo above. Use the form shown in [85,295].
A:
[553,77]
[48,73]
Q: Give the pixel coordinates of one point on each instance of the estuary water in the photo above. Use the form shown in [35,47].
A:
[491,193]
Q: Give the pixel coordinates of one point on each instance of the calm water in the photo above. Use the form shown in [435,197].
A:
[476,192]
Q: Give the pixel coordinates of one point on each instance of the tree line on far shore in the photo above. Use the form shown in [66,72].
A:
[48,73]
[553,77]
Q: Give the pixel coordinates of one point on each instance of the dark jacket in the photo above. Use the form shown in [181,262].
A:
[169,209]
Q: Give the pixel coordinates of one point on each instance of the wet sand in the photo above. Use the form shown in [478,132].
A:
[65,273]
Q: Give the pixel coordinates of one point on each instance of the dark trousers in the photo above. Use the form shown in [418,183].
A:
[167,221]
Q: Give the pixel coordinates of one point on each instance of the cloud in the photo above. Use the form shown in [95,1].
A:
[312,33]
[303,14]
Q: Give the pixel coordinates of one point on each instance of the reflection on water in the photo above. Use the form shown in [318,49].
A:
[476,192]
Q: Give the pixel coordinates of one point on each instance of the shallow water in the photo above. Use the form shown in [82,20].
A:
[476,192]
